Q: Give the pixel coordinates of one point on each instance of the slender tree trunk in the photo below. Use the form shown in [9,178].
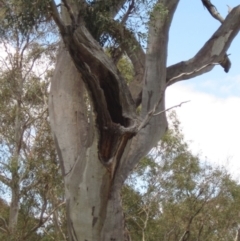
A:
[14,206]
[14,165]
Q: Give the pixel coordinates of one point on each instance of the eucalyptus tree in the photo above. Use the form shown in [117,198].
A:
[29,172]
[101,125]
[175,195]
[99,131]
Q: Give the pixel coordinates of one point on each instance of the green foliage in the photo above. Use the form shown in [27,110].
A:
[173,192]
[126,69]
[125,66]
[29,169]
[159,10]
[22,15]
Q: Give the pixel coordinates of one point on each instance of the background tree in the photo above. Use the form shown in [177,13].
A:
[29,171]
[98,146]
[99,141]
[174,195]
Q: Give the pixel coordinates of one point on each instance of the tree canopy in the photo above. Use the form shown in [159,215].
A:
[102,121]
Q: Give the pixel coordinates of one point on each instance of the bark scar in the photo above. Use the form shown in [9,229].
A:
[219,44]
[94,221]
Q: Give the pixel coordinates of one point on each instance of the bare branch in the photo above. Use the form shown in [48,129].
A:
[185,236]
[212,10]
[129,11]
[56,17]
[225,62]
[211,53]
[153,112]
[5,229]
[42,221]
[170,108]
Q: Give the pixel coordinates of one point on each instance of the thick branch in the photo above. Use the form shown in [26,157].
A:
[225,62]
[85,51]
[56,17]
[70,12]
[211,53]
[153,88]
[112,101]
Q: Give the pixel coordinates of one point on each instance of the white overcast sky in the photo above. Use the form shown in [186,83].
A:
[211,120]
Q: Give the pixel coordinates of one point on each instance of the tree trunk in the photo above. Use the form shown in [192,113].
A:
[93,205]
[98,151]
[92,194]
[99,136]
[14,167]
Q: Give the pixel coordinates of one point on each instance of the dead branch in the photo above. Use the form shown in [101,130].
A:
[225,62]
[172,107]
[212,10]
[220,41]
[153,111]
[56,17]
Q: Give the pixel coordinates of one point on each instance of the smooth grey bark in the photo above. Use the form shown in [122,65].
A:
[237,238]
[98,148]
[90,199]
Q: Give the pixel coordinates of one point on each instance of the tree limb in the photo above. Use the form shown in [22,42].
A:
[225,62]
[70,12]
[212,10]
[195,71]
[42,221]
[56,17]
[129,11]
[211,53]
[170,108]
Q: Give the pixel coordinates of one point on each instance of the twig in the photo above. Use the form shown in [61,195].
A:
[43,221]
[152,112]
[179,105]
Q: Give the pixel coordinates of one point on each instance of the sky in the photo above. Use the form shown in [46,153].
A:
[211,119]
